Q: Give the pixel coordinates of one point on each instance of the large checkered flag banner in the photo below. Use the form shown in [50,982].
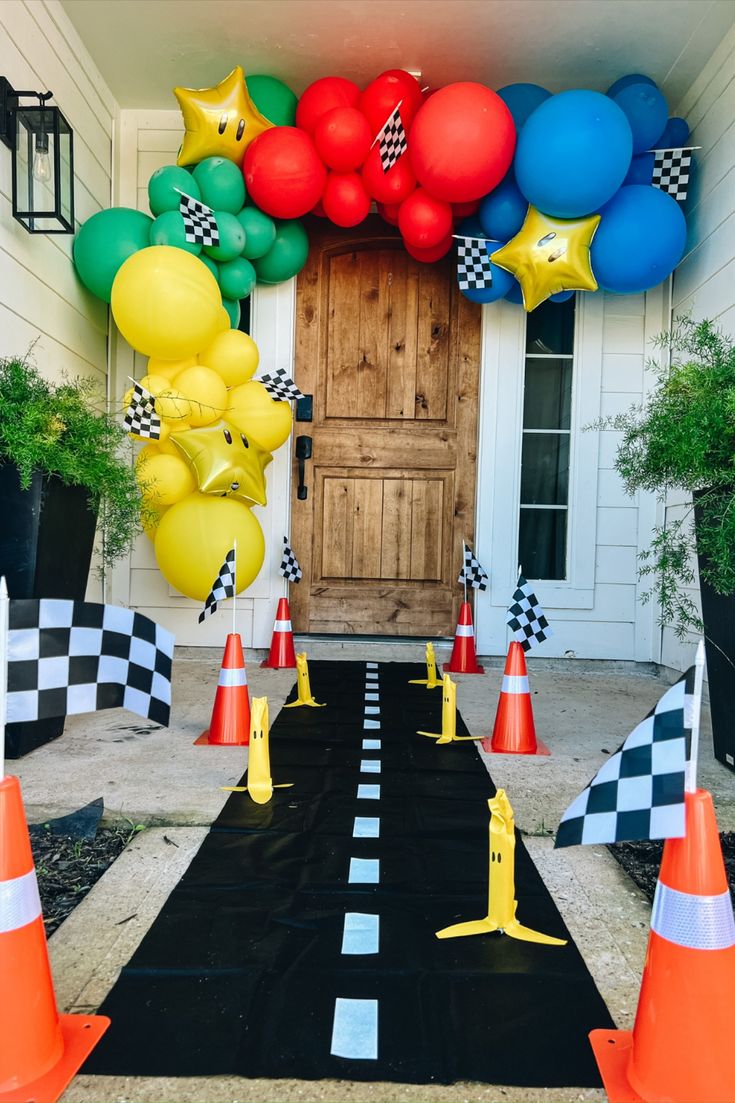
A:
[289,568]
[526,617]
[141,416]
[473,573]
[68,657]
[639,792]
[222,587]
[280,385]
[671,171]
[393,141]
[200,223]
[474,271]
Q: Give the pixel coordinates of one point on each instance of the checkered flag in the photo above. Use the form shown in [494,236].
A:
[141,416]
[671,169]
[281,386]
[222,587]
[68,657]
[393,141]
[639,792]
[526,617]
[289,567]
[474,271]
[473,573]
[200,225]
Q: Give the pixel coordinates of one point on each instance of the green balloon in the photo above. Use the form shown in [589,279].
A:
[260,232]
[233,309]
[105,242]
[274,99]
[211,265]
[169,229]
[221,184]
[287,255]
[162,193]
[231,238]
[236,278]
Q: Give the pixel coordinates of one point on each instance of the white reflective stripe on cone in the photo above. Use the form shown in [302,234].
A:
[515,683]
[282,626]
[465,630]
[232,676]
[20,903]
[697,922]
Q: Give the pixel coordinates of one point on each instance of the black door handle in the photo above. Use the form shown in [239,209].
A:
[303,452]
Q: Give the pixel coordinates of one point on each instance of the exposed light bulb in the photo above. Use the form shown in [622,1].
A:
[41,161]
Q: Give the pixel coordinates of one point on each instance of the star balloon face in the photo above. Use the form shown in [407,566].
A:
[549,255]
[225,462]
[220,121]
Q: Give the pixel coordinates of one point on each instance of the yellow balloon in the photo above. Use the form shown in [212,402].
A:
[252,410]
[225,462]
[224,320]
[169,369]
[166,303]
[234,355]
[194,537]
[206,392]
[151,518]
[173,407]
[164,479]
[220,121]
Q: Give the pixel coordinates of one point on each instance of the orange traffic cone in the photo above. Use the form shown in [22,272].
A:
[680,1047]
[230,723]
[514,731]
[464,659]
[282,654]
[40,1050]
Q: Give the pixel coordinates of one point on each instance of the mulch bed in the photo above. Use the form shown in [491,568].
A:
[641,861]
[67,868]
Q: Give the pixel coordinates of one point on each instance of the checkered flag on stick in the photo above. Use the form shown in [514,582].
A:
[474,271]
[200,225]
[393,141]
[280,385]
[222,587]
[141,416]
[671,169]
[473,573]
[639,792]
[289,568]
[526,617]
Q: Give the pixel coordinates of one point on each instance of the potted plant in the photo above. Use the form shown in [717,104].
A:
[65,472]
[683,436]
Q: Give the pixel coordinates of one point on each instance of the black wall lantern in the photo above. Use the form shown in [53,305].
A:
[42,146]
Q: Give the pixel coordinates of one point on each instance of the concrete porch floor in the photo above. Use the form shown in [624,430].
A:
[157,777]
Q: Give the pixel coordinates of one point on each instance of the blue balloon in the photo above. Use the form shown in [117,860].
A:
[675,135]
[623,82]
[561,296]
[573,153]
[641,169]
[515,295]
[639,241]
[502,280]
[522,99]
[646,111]
[470,227]
[502,212]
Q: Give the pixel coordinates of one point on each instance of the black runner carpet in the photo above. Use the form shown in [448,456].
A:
[244,972]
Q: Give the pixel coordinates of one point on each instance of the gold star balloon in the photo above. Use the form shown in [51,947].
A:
[549,255]
[225,461]
[220,121]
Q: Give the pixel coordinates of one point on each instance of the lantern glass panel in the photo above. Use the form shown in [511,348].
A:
[43,198]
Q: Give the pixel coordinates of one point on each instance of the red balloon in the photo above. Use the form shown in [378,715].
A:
[283,173]
[384,93]
[322,96]
[342,138]
[389,212]
[388,187]
[344,199]
[318,210]
[464,210]
[424,220]
[436,252]
[462,142]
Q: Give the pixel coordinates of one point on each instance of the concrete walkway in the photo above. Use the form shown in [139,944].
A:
[159,778]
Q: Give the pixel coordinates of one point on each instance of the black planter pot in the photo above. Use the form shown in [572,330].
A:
[46,542]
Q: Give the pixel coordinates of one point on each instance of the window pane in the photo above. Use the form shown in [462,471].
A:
[547,399]
[542,543]
[245,315]
[545,469]
[550,328]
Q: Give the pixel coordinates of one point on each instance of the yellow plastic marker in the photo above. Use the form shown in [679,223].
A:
[431,681]
[448,733]
[260,783]
[302,685]
[502,904]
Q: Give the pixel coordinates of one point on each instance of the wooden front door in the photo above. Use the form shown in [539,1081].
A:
[390,351]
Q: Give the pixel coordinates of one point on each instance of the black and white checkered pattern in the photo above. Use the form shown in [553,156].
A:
[393,141]
[526,617]
[280,385]
[222,587]
[141,416]
[68,657]
[200,225]
[474,271]
[473,573]
[289,567]
[671,169]
[639,792]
